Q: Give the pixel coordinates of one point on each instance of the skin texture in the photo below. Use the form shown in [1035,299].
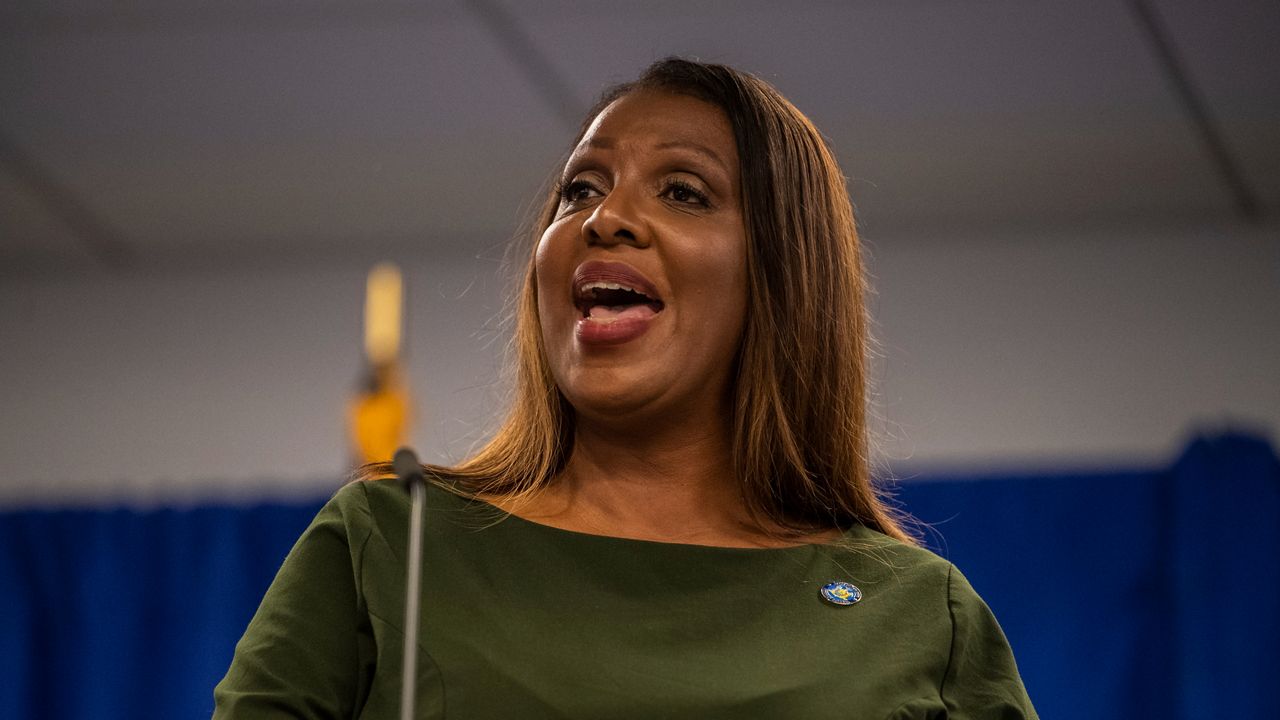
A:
[654,184]
[673,213]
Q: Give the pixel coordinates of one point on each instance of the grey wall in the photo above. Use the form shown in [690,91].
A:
[1023,350]
[1069,348]
[1066,273]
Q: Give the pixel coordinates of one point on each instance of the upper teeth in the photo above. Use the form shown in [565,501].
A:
[608,286]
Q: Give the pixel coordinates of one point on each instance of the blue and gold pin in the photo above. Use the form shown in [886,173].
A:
[840,593]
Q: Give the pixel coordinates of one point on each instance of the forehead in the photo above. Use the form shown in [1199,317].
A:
[650,119]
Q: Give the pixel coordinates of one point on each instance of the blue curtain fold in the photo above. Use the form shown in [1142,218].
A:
[126,614]
[1137,593]
[1225,578]
[1125,593]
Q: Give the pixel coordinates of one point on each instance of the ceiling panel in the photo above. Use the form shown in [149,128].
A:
[1232,56]
[238,138]
[985,115]
[283,130]
[31,234]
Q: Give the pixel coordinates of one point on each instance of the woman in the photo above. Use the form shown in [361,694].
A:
[676,519]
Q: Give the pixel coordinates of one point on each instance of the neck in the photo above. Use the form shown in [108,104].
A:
[675,483]
[678,481]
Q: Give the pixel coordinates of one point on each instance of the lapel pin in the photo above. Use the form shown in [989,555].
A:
[840,593]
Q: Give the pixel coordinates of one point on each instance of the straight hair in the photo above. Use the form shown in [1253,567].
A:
[801,444]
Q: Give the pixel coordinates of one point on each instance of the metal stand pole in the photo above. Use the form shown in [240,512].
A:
[409,470]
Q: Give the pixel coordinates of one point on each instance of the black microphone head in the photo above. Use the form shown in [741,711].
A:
[407,468]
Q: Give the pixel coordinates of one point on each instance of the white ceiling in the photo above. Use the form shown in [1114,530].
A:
[185,133]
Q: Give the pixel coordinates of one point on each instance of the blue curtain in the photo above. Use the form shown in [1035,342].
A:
[1134,593]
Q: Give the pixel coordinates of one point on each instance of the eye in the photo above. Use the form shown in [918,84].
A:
[684,193]
[578,191]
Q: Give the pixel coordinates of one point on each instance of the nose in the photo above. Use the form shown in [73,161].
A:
[615,221]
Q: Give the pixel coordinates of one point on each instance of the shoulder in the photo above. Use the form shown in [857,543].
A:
[915,580]
[911,568]
[930,602]
[379,501]
[919,568]
[892,560]
[904,589]
[379,510]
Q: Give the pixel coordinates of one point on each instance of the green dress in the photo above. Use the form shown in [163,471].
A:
[525,621]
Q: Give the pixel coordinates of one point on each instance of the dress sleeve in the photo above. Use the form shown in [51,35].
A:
[982,681]
[300,656]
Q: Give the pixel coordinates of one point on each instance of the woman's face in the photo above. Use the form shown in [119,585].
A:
[641,277]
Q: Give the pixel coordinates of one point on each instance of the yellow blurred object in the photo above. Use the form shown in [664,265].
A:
[379,417]
[383,303]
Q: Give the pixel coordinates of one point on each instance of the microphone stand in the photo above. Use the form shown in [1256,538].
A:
[409,472]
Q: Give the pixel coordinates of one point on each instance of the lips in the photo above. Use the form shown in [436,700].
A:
[617,302]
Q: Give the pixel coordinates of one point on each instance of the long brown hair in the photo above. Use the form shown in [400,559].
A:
[800,435]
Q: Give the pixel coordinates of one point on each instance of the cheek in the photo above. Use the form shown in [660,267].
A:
[549,271]
[734,263]
[553,265]
[727,262]
[717,273]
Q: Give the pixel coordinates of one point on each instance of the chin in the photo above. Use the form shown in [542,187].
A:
[606,395]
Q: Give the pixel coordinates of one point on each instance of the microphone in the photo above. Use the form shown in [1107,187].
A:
[407,468]
[409,471]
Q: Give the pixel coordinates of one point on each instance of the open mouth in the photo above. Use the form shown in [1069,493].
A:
[607,301]
[617,304]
